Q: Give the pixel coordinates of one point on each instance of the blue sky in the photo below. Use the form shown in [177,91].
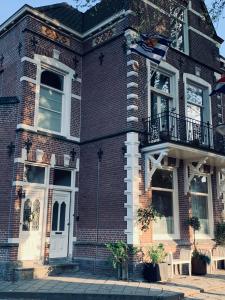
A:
[8,7]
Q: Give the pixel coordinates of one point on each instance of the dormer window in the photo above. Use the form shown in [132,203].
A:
[50,112]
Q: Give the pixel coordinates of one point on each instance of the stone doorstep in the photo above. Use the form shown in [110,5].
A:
[43,271]
[91,296]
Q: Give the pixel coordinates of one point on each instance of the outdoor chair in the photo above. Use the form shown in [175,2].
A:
[184,259]
[216,255]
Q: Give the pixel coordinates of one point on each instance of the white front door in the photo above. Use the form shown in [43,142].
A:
[31,225]
[60,225]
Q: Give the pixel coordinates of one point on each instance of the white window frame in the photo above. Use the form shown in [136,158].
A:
[51,64]
[207,88]
[176,218]
[46,178]
[185,33]
[63,187]
[168,70]
[202,236]
[62,93]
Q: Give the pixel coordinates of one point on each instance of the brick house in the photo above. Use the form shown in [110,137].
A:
[89,135]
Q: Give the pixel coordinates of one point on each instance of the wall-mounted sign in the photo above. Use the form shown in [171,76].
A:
[105,36]
[55,36]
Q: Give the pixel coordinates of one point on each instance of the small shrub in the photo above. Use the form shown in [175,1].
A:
[157,254]
[203,257]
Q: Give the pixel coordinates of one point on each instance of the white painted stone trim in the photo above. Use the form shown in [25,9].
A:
[28,79]
[132,119]
[132,191]
[132,107]
[131,62]
[132,73]
[132,96]
[132,85]
[204,35]
[77,97]
[13,240]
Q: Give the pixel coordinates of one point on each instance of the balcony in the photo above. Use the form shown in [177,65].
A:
[171,128]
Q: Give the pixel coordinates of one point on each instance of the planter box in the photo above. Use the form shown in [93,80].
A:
[199,267]
[155,272]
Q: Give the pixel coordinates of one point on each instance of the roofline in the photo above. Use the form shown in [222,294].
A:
[28,9]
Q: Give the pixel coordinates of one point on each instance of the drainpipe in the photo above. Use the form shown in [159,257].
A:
[100,154]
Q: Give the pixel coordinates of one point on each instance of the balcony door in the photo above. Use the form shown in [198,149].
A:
[161,100]
[197,113]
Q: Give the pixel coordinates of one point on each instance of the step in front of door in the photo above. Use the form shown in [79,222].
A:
[39,272]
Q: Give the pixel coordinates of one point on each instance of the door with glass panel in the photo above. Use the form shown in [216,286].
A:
[31,225]
[197,115]
[60,225]
[200,199]
[161,102]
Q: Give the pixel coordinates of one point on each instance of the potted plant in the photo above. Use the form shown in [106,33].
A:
[199,260]
[220,234]
[146,215]
[120,252]
[157,268]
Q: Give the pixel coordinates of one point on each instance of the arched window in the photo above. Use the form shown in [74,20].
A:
[51,101]
[26,215]
[62,217]
[36,215]
[55,213]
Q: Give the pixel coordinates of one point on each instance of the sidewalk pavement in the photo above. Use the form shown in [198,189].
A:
[82,285]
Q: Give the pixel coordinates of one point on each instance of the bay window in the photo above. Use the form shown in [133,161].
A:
[165,201]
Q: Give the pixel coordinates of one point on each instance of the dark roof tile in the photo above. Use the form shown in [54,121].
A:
[82,22]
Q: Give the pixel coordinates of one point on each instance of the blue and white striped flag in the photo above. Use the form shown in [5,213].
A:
[153,47]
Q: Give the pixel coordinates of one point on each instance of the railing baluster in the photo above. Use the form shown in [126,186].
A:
[170,125]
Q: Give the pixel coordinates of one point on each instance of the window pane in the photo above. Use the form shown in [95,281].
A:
[49,120]
[200,210]
[50,99]
[62,217]
[55,213]
[52,79]
[194,95]
[34,174]
[26,215]
[177,27]
[36,215]
[161,82]
[163,202]
[62,177]
[163,179]
[194,112]
[199,184]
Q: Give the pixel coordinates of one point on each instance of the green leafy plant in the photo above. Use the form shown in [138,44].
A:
[157,254]
[201,256]
[220,234]
[146,215]
[120,252]
[195,224]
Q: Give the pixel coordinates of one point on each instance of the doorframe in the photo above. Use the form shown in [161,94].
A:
[45,188]
[73,190]
[33,189]
[68,191]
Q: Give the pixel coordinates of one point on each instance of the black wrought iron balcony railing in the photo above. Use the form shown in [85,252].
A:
[170,126]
